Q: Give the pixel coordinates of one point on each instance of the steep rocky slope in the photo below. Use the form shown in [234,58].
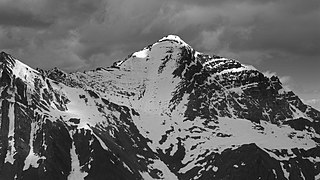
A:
[165,112]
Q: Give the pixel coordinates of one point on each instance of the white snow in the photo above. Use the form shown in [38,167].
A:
[196,54]
[23,71]
[141,54]
[127,167]
[273,136]
[314,160]
[11,149]
[286,173]
[166,173]
[173,37]
[242,68]
[215,169]
[242,132]
[103,145]
[296,113]
[11,119]
[32,158]
[146,176]
[207,63]
[275,173]
[76,172]
[302,176]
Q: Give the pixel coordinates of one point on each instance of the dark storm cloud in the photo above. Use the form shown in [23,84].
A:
[291,27]
[16,17]
[43,32]
[98,32]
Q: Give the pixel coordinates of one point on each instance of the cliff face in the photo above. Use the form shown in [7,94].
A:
[165,112]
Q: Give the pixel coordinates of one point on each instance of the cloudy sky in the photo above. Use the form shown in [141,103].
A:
[276,36]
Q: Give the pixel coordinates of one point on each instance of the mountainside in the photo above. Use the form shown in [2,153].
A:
[165,112]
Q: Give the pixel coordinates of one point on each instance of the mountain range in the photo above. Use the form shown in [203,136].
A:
[165,112]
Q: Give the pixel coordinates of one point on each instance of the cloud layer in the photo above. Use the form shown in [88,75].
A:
[281,36]
[78,33]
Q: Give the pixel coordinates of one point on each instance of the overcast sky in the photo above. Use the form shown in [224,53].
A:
[276,36]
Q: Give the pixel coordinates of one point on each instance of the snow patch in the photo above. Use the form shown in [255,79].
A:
[174,38]
[32,158]
[76,172]
[166,173]
[11,149]
[127,167]
[285,172]
[215,169]
[141,54]
[242,68]
[103,145]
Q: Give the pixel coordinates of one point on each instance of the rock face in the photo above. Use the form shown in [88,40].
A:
[165,112]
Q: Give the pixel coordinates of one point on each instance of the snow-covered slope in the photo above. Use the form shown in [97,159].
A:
[165,112]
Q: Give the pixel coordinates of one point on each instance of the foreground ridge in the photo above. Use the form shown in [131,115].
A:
[165,112]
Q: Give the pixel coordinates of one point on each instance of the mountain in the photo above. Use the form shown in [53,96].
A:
[165,112]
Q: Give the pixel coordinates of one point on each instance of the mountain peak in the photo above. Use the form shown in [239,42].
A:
[172,38]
